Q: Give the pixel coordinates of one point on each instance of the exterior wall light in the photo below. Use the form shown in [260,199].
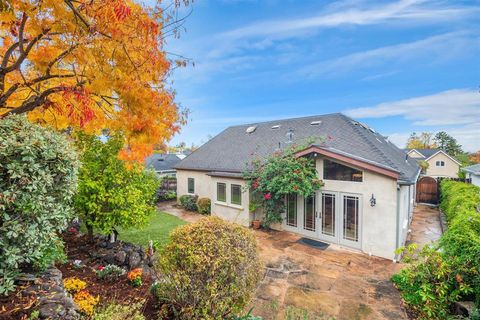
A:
[373,201]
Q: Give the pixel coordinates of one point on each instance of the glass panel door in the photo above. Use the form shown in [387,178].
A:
[328,217]
[350,220]
[291,210]
[309,223]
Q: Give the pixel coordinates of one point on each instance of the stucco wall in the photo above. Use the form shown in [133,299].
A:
[449,170]
[206,186]
[379,223]
[203,183]
[231,212]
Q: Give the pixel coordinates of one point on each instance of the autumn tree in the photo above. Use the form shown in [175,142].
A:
[475,157]
[91,65]
[422,141]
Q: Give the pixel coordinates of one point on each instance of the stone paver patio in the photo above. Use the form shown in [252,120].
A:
[425,226]
[334,283]
[302,282]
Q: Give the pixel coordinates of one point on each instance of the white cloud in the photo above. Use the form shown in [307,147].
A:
[455,111]
[444,46]
[404,10]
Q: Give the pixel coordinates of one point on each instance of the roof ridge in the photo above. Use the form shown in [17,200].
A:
[288,119]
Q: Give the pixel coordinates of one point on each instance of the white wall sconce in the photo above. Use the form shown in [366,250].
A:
[373,201]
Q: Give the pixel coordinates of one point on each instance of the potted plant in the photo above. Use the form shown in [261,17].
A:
[252,207]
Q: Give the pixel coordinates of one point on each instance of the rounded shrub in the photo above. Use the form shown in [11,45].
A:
[209,270]
[38,178]
[204,205]
[188,202]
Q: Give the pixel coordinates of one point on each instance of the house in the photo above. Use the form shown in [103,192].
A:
[473,173]
[440,164]
[367,199]
[163,164]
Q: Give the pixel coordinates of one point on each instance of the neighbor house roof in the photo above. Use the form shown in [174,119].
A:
[426,153]
[429,153]
[235,147]
[475,169]
[163,162]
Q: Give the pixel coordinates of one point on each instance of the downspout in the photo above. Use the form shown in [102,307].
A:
[397,241]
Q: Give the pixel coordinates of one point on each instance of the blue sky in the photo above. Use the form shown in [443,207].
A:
[398,66]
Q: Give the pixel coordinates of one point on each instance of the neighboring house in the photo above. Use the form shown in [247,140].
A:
[440,164]
[357,165]
[163,164]
[473,172]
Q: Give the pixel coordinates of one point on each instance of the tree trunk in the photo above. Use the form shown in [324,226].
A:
[90,232]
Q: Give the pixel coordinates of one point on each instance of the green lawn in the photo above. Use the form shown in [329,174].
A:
[156,229]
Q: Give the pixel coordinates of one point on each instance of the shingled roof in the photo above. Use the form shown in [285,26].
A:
[426,153]
[162,162]
[234,148]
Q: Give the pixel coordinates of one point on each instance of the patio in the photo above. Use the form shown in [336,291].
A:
[302,282]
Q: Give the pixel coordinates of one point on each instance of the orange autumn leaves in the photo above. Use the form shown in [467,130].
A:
[90,65]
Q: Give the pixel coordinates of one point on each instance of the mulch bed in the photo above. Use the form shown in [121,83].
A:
[18,306]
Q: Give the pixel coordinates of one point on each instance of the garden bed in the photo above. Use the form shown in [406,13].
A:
[21,303]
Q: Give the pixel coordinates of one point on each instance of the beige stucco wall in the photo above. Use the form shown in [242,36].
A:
[378,230]
[203,183]
[231,212]
[449,170]
[206,186]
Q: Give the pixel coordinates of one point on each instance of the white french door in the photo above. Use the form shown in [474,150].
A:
[333,217]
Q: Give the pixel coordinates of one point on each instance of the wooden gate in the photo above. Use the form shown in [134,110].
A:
[427,190]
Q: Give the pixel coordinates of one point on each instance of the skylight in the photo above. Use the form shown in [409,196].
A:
[276,126]
[251,129]
[315,123]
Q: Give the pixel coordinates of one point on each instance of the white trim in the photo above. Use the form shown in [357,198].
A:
[433,155]
[229,205]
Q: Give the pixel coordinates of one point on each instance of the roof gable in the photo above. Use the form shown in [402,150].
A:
[444,153]
[234,148]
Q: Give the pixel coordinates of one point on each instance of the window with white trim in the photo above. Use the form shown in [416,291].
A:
[440,163]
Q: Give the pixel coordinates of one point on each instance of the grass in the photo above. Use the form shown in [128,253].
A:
[157,229]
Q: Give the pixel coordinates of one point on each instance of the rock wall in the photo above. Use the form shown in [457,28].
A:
[53,301]
[123,254]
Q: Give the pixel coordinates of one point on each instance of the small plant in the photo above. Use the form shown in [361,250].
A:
[115,311]
[86,302]
[189,202]
[247,316]
[135,277]
[73,285]
[204,206]
[34,315]
[109,272]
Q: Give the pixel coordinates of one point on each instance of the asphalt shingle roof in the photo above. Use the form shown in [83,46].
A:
[162,162]
[427,153]
[234,148]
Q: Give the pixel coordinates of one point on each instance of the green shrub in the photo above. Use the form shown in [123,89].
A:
[431,283]
[54,253]
[189,202]
[38,177]
[209,270]
[204,205]
[115,311]
[450,271]
[112,193]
